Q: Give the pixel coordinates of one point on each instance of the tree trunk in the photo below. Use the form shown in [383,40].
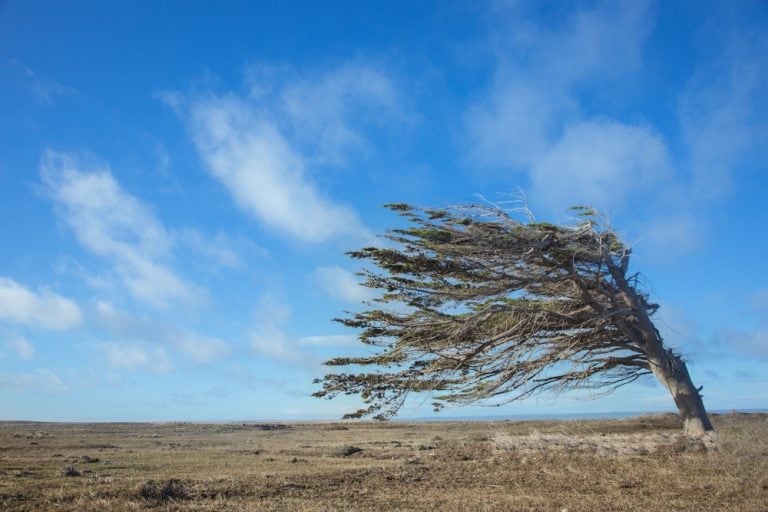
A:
[670,369]
[667,366]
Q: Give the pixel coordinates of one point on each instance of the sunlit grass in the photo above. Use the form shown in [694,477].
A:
[636,464]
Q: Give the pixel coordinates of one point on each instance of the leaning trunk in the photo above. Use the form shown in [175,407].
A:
[670,369]
[667,366]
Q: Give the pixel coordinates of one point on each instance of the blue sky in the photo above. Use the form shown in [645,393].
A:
[179,182]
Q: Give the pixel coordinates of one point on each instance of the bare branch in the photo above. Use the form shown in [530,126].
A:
[494,305]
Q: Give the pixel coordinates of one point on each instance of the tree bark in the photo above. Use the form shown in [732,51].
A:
[670,369]
[667,366]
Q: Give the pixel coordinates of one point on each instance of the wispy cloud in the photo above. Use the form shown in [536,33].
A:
[199,348]
[135,356]
[327,113]
[117,226]
[723,112]
[747,342]
[266,146]
[282,383]
[220,250]
[44,89]
[191,344]
[38,380]
[515,124]
[536,122]
[597,161]
[266,176]
[593,43]
[270,339]
[19,305]
[531,122]
[760,301]
[342,284]
[21,347]
[752,343]
[681,332]
[673,232]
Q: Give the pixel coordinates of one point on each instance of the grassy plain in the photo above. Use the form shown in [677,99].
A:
[616,465]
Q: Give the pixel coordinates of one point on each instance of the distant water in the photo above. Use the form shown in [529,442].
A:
[498,417]
[562,416]
[525,417]
[425,419]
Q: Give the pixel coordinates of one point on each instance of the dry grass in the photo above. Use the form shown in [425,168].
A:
[620,465]
[598,444]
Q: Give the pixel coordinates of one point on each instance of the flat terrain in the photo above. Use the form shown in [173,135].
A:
[616,465]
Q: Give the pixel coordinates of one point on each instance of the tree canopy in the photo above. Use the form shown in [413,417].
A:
[484,304]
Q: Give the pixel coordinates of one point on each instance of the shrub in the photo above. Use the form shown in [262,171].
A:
[170,490]
[70,470]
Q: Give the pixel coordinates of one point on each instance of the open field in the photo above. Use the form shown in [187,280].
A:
[601,465]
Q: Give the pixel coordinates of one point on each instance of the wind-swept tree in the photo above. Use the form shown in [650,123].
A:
[488,307]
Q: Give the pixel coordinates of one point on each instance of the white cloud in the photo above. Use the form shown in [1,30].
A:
[538,67]
[672,233]
[265,147]
[270,339]
[514,124]
[220,249]
[530,122]
[266,176]
[135,356]
[200,348]
[602,42]
[601,163]
[21,347]
[38,380]
[46,309]
[190,343]
[526,122]
[115,321]
[325,113]
[538,123]
[753,343]
[115,225]
[342,284]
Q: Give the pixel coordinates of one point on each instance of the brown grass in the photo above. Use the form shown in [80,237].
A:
[618,465]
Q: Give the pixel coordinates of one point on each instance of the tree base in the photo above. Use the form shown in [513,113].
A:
[697,433]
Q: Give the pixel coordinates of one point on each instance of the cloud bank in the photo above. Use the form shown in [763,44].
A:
[531,120]
[19,305]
